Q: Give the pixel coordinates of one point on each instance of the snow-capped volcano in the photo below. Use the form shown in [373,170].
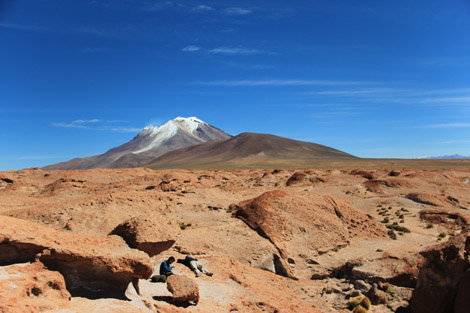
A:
[149,144]
[192,126]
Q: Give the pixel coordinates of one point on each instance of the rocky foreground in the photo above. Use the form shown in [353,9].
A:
[356,240]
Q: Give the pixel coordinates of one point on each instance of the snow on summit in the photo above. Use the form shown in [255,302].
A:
[171,130]
[150,143]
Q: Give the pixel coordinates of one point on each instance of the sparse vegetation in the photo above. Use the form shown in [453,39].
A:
[151,187]
[365,303]
[184,225]
[359,304]
[354,302]
[392,234]
[398,228]
[452,199]
[386,220]
[442,235]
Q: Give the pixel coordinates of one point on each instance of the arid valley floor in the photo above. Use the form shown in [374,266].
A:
[276,240]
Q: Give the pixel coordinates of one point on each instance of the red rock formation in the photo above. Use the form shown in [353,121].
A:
[302,226]
[183,288]
[89,264]
[31,288]
[441,272]
[151,235]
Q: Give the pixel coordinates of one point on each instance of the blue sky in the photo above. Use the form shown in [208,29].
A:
[372,78]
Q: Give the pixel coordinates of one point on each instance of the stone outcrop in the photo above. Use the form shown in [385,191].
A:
[90,264]
[424,198]
[30,288]
[183,288]
[151,235]
[443,278]
[297,224]
[446,218]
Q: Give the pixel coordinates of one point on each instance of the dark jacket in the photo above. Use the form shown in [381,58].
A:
[165,268]
[186,260]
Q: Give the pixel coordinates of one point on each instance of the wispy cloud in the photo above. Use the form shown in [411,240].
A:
[278,82]
[355,92]
[92,125]
[77,123]
[447,125]
[161,5]
[203,8]
[446,61]
[234,51]
[237,11]
[448,142]
[228,51]
[191,48]
[465,100]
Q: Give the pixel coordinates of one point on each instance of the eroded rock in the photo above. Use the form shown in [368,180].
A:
[183,288]
[441,271]
[300,225]
[152,235]
[91,265]
[31,288]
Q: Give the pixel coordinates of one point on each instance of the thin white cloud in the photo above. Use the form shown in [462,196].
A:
[356,92]
[234,51]
[278,82]
[91,125]
[448,125]
[203,8]
[123,129]
[77,123]
[447,100]
[162,5]
[191,48]
[237,11]
[448,142]
[442,62]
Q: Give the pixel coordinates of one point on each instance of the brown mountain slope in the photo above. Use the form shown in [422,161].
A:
[247,150]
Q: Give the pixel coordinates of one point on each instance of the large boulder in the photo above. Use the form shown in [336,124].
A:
[31,288]
[302,226]
[462,300]
[95,265]
[151,235]
[443,278]
[183,288]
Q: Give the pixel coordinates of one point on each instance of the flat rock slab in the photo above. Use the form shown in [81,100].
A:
[89,264]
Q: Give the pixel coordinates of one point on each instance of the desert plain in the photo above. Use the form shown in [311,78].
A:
[310,239]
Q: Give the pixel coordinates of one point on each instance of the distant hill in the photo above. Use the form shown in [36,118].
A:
[248,150]
[149,144]
[446,157]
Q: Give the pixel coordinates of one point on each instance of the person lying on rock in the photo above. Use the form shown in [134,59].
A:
[195,266]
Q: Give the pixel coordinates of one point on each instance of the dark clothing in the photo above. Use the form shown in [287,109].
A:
[166,269]
[186,261]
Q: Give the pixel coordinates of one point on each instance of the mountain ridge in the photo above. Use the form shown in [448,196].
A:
[150,143]
[246,150]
